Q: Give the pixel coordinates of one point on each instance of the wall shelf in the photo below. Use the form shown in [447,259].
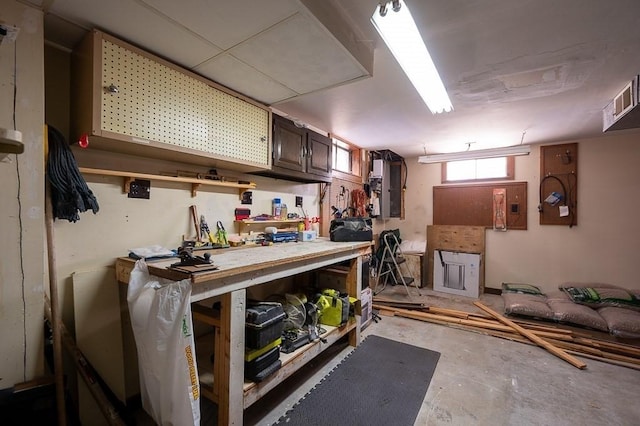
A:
[195,183]
[245,226]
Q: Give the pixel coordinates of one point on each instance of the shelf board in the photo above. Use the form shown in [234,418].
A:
[257,222]
[293,362]
[195,183]
[247,225]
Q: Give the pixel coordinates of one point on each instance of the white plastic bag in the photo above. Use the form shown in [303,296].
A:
[163,330]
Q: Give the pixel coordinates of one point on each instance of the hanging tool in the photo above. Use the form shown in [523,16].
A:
[221,235]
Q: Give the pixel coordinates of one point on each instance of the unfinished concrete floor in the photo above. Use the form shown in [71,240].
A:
[483,380]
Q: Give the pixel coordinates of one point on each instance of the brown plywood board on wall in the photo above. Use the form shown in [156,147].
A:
[559,171]
[473,204]
[462,239]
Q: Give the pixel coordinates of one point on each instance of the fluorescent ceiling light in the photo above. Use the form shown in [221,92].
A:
[399,32]
[475,155]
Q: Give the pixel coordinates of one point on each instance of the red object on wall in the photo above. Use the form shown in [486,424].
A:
[83,141]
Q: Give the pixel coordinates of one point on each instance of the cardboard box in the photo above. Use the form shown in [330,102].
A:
[306,235]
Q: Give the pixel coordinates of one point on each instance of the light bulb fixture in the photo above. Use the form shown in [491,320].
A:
[10,142]
[401,35]
[507,151]
[383,9]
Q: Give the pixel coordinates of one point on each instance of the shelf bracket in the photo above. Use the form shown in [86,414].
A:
[126,185]
[194,189]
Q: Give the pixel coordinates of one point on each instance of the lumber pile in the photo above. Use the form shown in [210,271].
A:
[562,342]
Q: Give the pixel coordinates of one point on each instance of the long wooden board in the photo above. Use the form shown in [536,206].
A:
[534,338]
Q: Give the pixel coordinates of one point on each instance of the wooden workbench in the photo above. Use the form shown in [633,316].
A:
[244,268]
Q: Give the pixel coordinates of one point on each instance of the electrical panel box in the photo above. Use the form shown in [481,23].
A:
[378,169]
[390,188]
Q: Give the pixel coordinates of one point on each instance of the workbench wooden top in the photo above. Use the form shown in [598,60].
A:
[233,262]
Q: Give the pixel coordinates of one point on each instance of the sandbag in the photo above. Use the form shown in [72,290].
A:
[163,330]
[526,304]
[622,322]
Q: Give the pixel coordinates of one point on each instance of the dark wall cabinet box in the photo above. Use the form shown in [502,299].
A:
[299,154]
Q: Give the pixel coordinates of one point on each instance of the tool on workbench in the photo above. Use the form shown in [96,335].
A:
[221,235]
[196,224]
[188,259]
[204,229]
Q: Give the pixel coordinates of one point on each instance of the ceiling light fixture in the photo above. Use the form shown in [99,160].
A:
[399,32]
[476,155]
[10,142]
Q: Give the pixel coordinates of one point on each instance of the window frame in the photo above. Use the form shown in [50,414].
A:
[355,175]
[511,173]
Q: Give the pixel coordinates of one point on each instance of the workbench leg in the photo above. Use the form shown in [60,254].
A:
[354,288]
[230,369]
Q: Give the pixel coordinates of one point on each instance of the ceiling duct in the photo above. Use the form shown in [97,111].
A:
[623,112]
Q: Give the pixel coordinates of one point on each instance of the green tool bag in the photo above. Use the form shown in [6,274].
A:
[333,307]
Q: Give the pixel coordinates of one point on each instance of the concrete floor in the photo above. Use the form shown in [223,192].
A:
[483,380]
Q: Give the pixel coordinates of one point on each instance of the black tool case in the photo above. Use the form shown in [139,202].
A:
[264,322]
[259,368]
[351,229]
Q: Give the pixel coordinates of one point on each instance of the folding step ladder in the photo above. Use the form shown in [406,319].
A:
[389,266]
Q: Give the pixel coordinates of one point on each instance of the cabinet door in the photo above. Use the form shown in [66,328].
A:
[289,145]
[319,154]
[161,110]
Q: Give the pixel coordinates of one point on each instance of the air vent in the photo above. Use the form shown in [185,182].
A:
[623,112]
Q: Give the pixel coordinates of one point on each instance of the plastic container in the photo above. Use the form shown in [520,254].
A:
[264,322]
[315,225]
[265,373]
[253,368]
[276,208]
[251,354]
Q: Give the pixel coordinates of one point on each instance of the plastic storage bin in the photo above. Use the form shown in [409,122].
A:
[262,366]
[263,324]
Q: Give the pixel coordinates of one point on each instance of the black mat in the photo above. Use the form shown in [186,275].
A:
[382,382]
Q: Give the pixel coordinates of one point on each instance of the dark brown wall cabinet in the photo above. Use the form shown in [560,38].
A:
[300,154]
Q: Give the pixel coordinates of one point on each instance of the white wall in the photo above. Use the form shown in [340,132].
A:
[22,240]
[122,223]
[601,248]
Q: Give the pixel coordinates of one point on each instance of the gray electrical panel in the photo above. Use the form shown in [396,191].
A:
[391,190]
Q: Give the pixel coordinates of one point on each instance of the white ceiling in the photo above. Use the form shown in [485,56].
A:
[534,70]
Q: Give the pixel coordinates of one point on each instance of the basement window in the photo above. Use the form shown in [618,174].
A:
[480,170]
[346,160]
[341,156]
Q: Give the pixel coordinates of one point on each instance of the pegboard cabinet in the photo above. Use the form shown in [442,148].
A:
[130,101]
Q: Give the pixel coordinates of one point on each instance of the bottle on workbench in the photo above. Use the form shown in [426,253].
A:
[276,208]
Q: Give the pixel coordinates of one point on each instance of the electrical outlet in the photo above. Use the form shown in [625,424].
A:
[298,201]
[515,208]
[8,33]
[140,188]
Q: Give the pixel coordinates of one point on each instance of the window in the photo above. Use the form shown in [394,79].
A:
[346,160]
[480,170]
[341,156]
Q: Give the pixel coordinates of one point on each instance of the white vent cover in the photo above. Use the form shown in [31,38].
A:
[622,113]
